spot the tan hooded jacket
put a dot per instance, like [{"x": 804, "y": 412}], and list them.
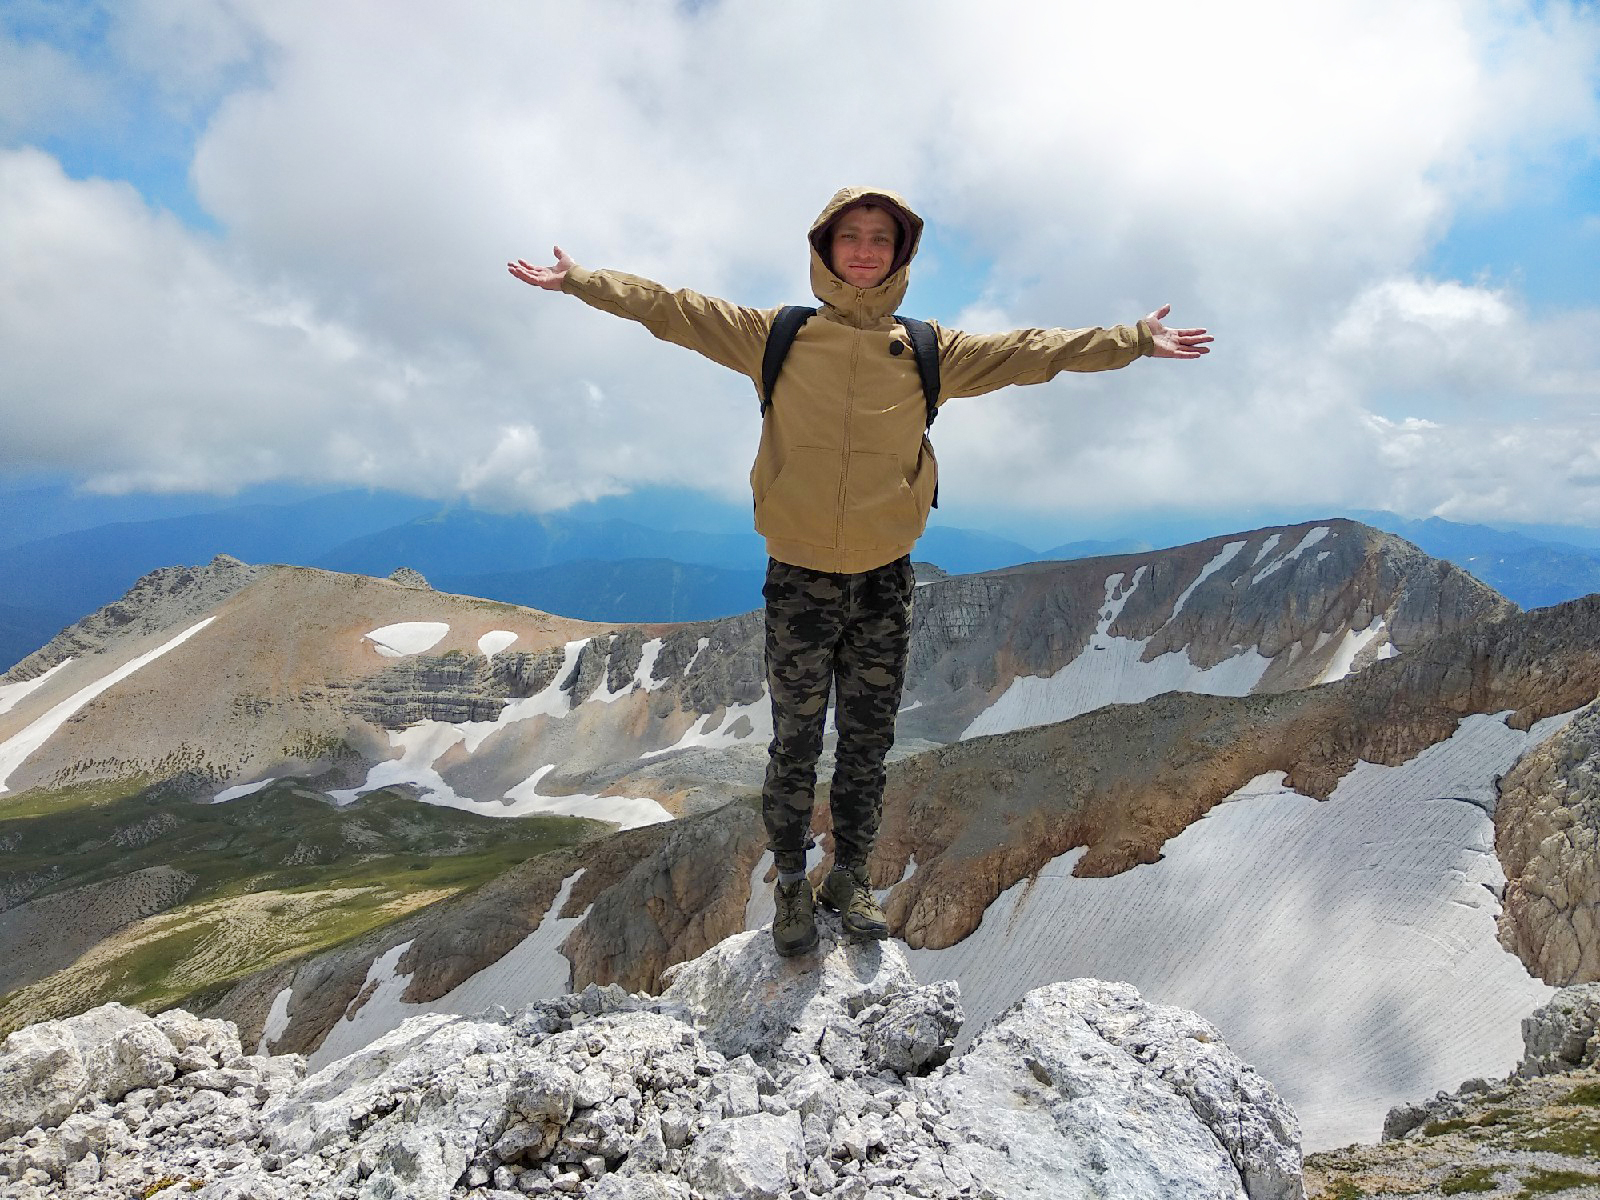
[{"x": 845, "y": 476}]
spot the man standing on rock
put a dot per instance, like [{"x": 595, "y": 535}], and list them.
[{"x": 843, "y": 482}]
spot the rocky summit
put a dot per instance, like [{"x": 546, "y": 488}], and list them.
[{"x": 748, "y": 1076}]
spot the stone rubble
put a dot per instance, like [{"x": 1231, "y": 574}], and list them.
[{"x": 751, "y": 1076}]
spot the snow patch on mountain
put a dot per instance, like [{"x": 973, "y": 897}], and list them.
[
  {"x": 10, "y": 693},
  {"x": 422, "y": 745},
  {"x": 640, "y": 680},
  {"x": 628, "y": 812},
  {"x": 241, "y": 790},
  {"x": 1311, "y": 538},
  {"x": 277, "y": 1022},
  {"x": 698, "y": 650},
  {"x": 1355, "y": 641},
  {"x": 1112, "y": 670},
  {"x": 495, "y": 641},
  {"x": 549, "y": 701},
  {"x": 532, "y": 970},
  {"x": 407, "y": 637},
  {"x": 761, "y": 907},
  {"x": 1346, "y": 947},
  {"x": 15, "y": 750},
  {"x": 735, "y": 725},
  {"x": 1223, "y": 557}
]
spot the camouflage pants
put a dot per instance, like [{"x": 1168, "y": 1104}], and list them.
[{"x": 848, "y": 634}]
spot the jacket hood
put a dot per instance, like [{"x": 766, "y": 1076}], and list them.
[{"x": 863, "y": 304}]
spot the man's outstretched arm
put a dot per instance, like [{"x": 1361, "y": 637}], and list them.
[
  {"x": 549, "y": 278},
  {"x": 728, "y": 334},
  {"x": 973, "y": 364},
  {"x": 1170, "y": 343}
]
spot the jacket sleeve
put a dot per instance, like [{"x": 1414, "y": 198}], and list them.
[
  {"x": 725, "y": 333},
  {"x": 971, "y": 364}
]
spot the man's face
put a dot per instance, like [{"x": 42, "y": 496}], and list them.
[{"x": 862, "y": 248}]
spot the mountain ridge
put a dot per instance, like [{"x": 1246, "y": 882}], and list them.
[{"x": 1037, "y": 751}]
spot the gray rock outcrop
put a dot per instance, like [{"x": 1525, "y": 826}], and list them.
[
  {"x": 1547, "y": 834},
  {"x": 1558, "y": 1038},
  {"x": 751, "y": 1076},
  {"x": 159, "y": 600},
  {"x": 1563, "y": 1035},
  {"x": 409, "y": 577}
]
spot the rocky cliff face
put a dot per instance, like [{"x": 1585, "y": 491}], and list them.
[
  {"x": 750, "y": 1077},
  {"x": 980, "y": 816},
  {"x": 1286, "y": 607},
  {"x": 1547, "y": 833}
]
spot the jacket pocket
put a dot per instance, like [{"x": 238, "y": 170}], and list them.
[
  {"x": 881, "y": 510},
  {"x": 801, "y": 503}
]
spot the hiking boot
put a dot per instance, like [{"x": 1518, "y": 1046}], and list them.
[
  {"x": 846, "y": 892},
  {"x": 794, "y": 925}
]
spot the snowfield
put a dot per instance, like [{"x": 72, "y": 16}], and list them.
[
  {"x": 1346, "y": 948},
  {"x": 493, "y": 642}
]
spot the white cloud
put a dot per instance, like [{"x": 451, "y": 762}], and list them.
[{"x": 1275, "y": 171}]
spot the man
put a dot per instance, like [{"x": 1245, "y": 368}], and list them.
[{"x": 843, "y": 482}]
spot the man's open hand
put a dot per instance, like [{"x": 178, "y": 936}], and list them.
[
  {"x": 1176, "y": 343},
  {"x": 549, "y": 277}
]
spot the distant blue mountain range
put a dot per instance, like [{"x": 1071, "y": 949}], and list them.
[
  {"x": 1529, "y": 571},
  {"x": 655, "y": 555}
]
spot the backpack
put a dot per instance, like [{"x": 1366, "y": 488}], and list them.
[{"x": 924, "y": 347}]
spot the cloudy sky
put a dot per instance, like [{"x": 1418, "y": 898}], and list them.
[{"x": 245, "y": 241}]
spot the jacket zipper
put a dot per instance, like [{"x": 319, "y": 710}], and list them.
[{"x": 844, "y": 466}]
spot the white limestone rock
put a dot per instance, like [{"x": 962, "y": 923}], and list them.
[
  {"x": 1563, "y": 1034},
  {"x": 1044, "y": 1093},
  {"x": 758, "y": 1157},
  {"x": 416, "y": 1162},
  {"x": 912, "y": 1032},
  {"x": 747, "y": 999},
  {"x": 617, "y": 1187},
  {"x": 248, "y": 1185},
  {"x": 202, "y": 1037},
  {"x": 1241, "y": 1109},
  {"x": 46, "y": 1070},
  {"x": 42, "y": 1077},
  {"x": 136, "y": 1056},
  {"x": 836, "y": 1089}
]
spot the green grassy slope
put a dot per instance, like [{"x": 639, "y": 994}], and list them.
[{"x": 277, "y": 875}]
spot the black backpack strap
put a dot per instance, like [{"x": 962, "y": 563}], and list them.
[
  {"x": 926, "y": 349},
  {"x": 784, "y": 328}
]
